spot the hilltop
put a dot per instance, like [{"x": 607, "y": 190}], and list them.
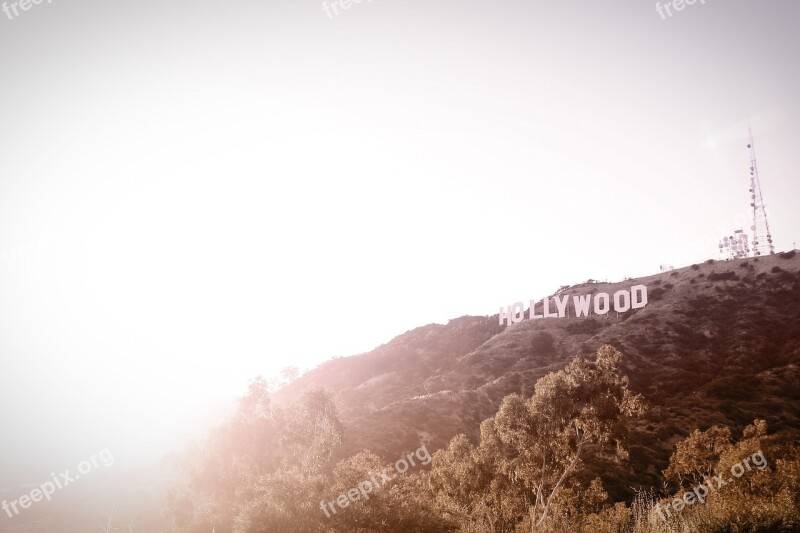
[{"x": 718, "y": 343}]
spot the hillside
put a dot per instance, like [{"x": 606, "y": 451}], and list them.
[{"x": 719, "y": 343}]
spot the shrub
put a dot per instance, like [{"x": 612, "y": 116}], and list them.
[
  {"x": 657, "y": 293},
  {"x": 668, "y": 286},
  {"x": 729, "y": 275},
  {"x": 695, "y": 267},
  {"x": 543, "y": 343},
  {"x": 710, "y": 262},
  {"x": 588, "y": 325},
  {"x": 788, "y": 255},
  {"x": 776, "y": 270}
]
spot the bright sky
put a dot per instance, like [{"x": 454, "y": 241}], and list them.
[{"x": 195, "y": 193}]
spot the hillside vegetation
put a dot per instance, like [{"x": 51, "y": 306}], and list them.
[{"x": 581, "y": 424}]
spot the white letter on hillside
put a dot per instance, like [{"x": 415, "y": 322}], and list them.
[
  {"x": 562, "y": 305},
  {"x": 625, "y": 305},
  {"x": 513, "y": 315},
  {"x": 605, "y": 308},
  {"x": 581, "y": 304},
  {"x": 519, "y": 312},
  {"x": 638, "y": 303}
]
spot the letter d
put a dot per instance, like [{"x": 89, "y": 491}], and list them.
[{"x": 638, "y": 296}]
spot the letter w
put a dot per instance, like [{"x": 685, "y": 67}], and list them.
[{"x": 581, "y": 304}]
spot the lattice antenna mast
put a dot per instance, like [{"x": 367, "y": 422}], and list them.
[{"x": 762, "y": 238}]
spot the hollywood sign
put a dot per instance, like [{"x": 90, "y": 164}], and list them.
[{"x": 601, "y": 303}]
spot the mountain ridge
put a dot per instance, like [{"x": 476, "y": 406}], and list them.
[{"x": 718, "y": 343}]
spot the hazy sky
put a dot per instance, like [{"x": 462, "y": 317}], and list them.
[{"x": 195, "y": 193}]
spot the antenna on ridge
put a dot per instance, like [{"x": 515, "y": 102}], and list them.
[{"x": 762, "y": 238}]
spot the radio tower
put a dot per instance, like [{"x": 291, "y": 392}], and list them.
[{"x": 762, "y": 238}]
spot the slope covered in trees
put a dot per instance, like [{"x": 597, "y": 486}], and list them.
[
  {"x": 541, "y": 426},
  {"x": 265, "y": 470}
]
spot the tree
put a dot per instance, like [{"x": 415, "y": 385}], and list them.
[
  {"x": 587, "y": 403},
  {"x": 473, "y": 487},
  {"x": 751, "y": 485},
  {"x": 696, "y": 456},
  {"x": 262, "y": 467},
  {"x": 531, "y": 451},
  {"x": 396, "y": 506}
]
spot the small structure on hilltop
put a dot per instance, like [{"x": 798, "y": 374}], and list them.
[
  {"x": 762, "y": 238},
  {"x": 739, "y": 245}
]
